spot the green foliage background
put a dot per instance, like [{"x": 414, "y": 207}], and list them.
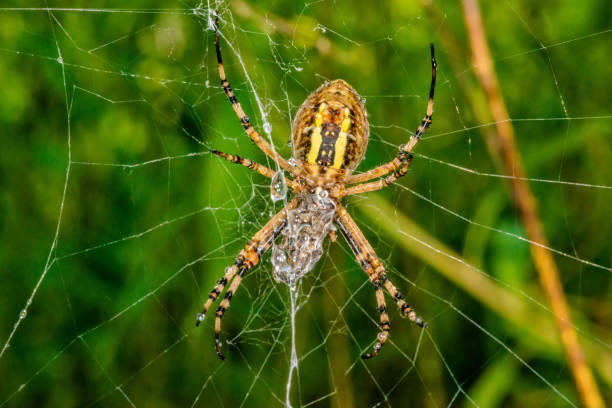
[{"x": 148, "y": 220}]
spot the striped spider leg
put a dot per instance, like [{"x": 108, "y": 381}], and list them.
[
  {"x": 259, "y": 168},
  {"x": 254, "y": 135},
  {"x": 399, "y": 165},
  {"x": 375, "y": 270},
  {"x": 246, "y": 259}
]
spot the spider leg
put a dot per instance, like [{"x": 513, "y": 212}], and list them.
[
  {"x": 375, "y": 270},
  {"x": 385, "y": 326},
  {"x": 244, "y": 119},
  {"x": 380, "y": 183},
  {"x": 261, "y": 169},
  {"x": 246, "y": 259},
  {"x": 405, "y": 149}
]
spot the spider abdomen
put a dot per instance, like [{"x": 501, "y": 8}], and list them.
[{"x": 331, "y": 128}]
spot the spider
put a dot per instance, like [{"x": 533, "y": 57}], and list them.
[{"x": 329, "y": 139}]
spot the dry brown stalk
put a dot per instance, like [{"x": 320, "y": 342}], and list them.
[{"x": 544, "y": 262}]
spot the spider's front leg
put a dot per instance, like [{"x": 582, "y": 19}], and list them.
[
  {"x": 376, "y": 272},
  {"x": 246, "y": 259}
]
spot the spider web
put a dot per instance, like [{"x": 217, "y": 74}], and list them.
[{"x": 118, "y": 220}]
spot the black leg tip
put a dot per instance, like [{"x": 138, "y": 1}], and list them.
[
  {"x": 221, "y": 356},
  {"x": 199, "y": 319},
  {"x": 366, "y": 356}
]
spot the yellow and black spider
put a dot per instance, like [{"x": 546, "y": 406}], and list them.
[{"x": 329, "y": 139}]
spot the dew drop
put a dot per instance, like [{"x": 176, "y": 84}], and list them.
[
  {"x": 267, "y": 127},
  {"x": 362, "y": 100},
  {"x": 60, "y": 60},
  {"x": 23, "y": 314},
  {"x": 278, "y": 187}
]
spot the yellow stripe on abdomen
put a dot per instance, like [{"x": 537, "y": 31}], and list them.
[
  {"x": 340, "y": 150},
  {"x": 315, "y": 136},
  {"x": 315, "y": 145}
]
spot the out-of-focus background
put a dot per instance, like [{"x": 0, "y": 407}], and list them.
[{"x": 116, "y": 220}]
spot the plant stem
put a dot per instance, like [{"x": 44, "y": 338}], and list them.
[{"x": 544, "y": 262}]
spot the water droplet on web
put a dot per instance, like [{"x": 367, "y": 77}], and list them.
[
  {"x": 298, "y": 69},
  {"x": 278, "y": 187},
  {"x": 60, "y": 60},
  {"x": 21, "y": 387},
  {"x": 362, "y": 100},
  {"x": 267, "y": 127},
  {"x": 23, "y": 314},
  {"x": 207, "y": 83}
]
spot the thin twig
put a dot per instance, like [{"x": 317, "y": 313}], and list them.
[{"x": 544, "y": 262}]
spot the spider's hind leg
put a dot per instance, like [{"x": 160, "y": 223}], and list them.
[
  {"x": 405, "y": 149},
  {"x": 245, "y": 121}
]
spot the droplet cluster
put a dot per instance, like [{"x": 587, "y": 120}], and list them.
[{"x": 302, "y": 240}]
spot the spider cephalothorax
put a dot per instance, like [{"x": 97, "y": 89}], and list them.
[{"x": 329, "y": 139}]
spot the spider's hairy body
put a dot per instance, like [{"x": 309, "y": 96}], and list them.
[
  {"x": 329, "y": 139},
  {"x": 331, "y": 128}
]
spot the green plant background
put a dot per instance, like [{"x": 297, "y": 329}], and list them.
[{"x": 112, "y": 140}]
